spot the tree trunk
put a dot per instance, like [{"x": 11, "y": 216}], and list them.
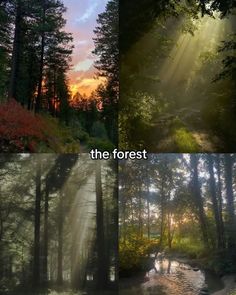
[
  {"x": 140, "y": 220},
  {"x": 148, "y": 221},
  {"x": 198, "y": 198},
  {"x": 219, "y": 189},
  {"x": 45, "y": 242},
  {"x": 214, "y": 202},
  {"x": 230, "y": 201},
  {"x": 116, "y": 224},
  {"x": 162, "y": 212},
  {"x": 12, "y": 92},
  {"x": 101, "y": 267},
  {"x": 169, "y": 231},
  {"x": 37, "y": 213},
  {"x": 60, "y": 243},
  {"x": 39, "y": 93}
]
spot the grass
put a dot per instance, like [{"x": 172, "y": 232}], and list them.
[{"x": 184, "y": 140}]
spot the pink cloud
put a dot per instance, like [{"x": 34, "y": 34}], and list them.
[{"x": 81, "y": 20}]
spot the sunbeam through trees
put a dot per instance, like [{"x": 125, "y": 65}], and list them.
[
  {"x": 58, "y": 218},
  {"x": 178, "y": 76}
]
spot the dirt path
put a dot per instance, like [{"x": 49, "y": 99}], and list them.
[{"x": 187, "y": 138}]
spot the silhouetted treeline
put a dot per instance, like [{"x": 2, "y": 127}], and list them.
[{"x": 35, "y": 55}]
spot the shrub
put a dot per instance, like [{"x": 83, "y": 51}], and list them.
[
  {"x": 20, "y": 130},
  {"x": 132, "y": 251},
  {"x": 58, "y": 137},
  {"x": 100, "y": 144}
]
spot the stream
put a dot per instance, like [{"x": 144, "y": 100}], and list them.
[{"x": 171, "y": 277}]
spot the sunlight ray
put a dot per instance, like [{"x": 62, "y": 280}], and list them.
[{"x": 184, "y": 56}]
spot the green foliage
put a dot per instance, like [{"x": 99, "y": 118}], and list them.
[
  {"x": 189, "y": 26},
  {"x": 221, "y": 262},
  {"x": 189, "y": 246},
  {"x": 59, "y": 137},
  {"x": 135, "y": 117},
  {"x": 228, "y": 52},
  {"x": 100, "y": 144},
  {"x": 133, "y": 250},
  {"x": 98, "y": 130},
  {"x": 219, "y": 113}
]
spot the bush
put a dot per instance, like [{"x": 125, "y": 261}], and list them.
[
  {"x": 100, "y": 144},
  {"x": 132, "y": 251},
  {"x": 20, "y": 130},
  {"x": 58, "y": 137}
]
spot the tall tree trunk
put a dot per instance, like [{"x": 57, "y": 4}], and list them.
[
  {"x": 40, "y": 82},
  {"x": 214, "y": 202},
  {"x": 60, "y": 243},
  {"x": 140, "y": 219},
  {"x": 116, "y": 224},
  {"x": 219, "y": 189},
  {"x": 230, "y": 200},
  {"x": 162, "y": 212},
  {"x": 148, "y": 221},
  {"x": 45, "y": 241},
  {"x": 101, "y": 267},
  {"x": 12, "y": 91},
  {"x": 198, "y": 198},
  {"x": 148, "y": 201},
  {"x": 30, "y": 82},
  {"x": 169, "y": 230},
  {"x": 37, "y": 214}
]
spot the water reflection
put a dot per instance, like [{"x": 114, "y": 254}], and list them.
[{"x": 170, "y": 277}]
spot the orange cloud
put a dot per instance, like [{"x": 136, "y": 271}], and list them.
[{"x": 86, "y": 86}]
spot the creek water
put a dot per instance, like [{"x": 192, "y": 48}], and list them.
[{"x": 171, "y": 277}]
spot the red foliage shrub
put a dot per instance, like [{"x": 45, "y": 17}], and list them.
[{"x": 20, "y": 130}]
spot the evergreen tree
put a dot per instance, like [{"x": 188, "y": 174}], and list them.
[{"x": 106, "y": 48}]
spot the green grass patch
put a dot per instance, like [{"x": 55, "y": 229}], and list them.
[{"x": 184, "y": 140}]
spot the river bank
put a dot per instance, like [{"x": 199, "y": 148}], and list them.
[{"x": 228, "y": 281}]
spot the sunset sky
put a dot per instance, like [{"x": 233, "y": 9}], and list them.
[{"x": 81, "y": 18}]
